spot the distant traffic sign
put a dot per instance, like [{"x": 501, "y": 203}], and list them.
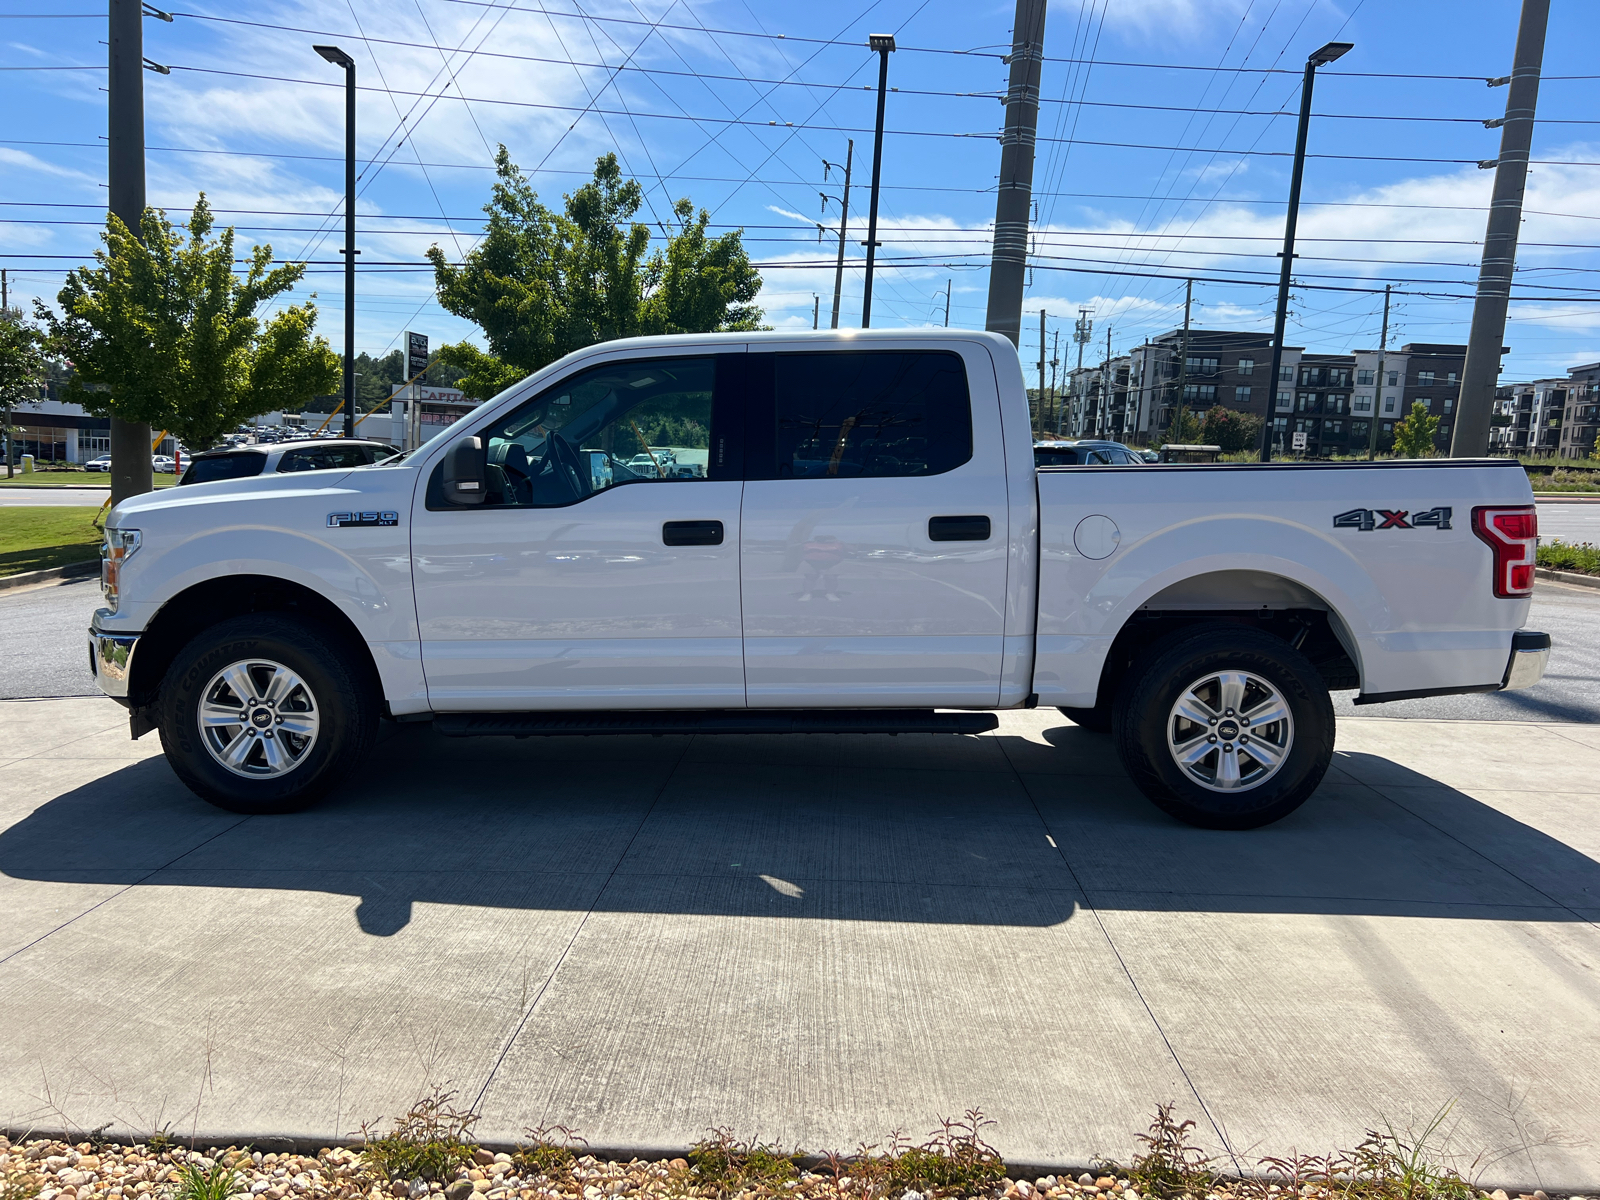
[{"x": 1299, "y": 442}]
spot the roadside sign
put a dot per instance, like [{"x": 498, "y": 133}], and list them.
[
  {"x": 1299, "y": 442},
  {"x": 416, "y": 354}
]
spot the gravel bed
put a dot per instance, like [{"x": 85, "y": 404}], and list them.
[{"x": 55, "y": 1170}]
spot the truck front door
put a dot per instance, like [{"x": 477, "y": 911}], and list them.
[
  {"x": 874, "y": 528},
  {"x": 602, "y": 571}
]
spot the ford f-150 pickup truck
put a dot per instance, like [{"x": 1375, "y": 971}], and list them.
[{"x": 863, "y": 544}]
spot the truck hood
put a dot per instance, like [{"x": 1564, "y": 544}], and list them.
[{"x": 257, "y": 491}]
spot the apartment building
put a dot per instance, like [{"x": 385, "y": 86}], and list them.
[{"x": 1580, "y": 422}]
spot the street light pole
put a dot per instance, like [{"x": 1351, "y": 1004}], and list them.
[
  {"x": 340, "y": 59},
  {"x": 1326, "y": 54},
  {"x": 883, "y": 43}
]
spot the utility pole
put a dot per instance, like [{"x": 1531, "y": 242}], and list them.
[
  {"x": 1377, "y": 392},
  {"x": 948, "y": 284},
  {"x": 1040, "y": 426},
  {"x": 1055, "y": 395},
  {"x": 1106, "y": 384},
  {"x": 5, "y": 415},
  {"x": 130, "y": 440},
  {"x": 844, "y": 220},
  {"x": 1082, "y": 331},
  {"x": 1481, "y": 372},
  {"x": 816, "y": 309},
  {"x": 883, "y": 45},
  {"x": 1183, "y": 364},
  {"x": 1009, "y": 257}
]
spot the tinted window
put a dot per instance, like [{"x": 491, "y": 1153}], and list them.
[
  {"x": 1055, "y": 458},
  {"x": 636, "y": 421},
  {"x": 223, "y": 466},
  {"x": 865, "y": 414},
  {"x": 323, "y": 458}
]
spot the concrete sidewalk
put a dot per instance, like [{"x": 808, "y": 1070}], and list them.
[{"x": 815, "y": 940}]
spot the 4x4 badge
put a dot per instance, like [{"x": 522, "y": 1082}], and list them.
[{"x": 1392, "y": 518}]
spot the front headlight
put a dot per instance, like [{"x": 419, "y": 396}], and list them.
[{"x": 118, "y": 547}]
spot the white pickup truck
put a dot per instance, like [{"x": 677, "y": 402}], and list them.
[{"x": 867, "y": 548}]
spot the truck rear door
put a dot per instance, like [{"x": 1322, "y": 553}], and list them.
[{"x": 874, "y": 527}]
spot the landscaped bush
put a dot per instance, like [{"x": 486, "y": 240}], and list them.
[{"x": 1581, "y": 557}]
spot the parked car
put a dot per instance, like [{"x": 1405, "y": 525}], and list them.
[
  {"x": 103, "y": 463},
  {"x": 873, "y": 550},
  {"x": 277, "y": 458},
  {"x": 1085, "y": 452},
  {"x": 163, "y": 464}
]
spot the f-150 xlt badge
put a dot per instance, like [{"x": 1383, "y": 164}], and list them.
[
  {"x": 1384, "y": 518},
  {"x": 349, "y": 519}
]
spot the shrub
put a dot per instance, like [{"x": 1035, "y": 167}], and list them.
[
  {"x": 428, "y": 1142},
  {"x": 1232, "y": 430},
  {"x": 727, "y": 1163},
  {"x": 1413, "y": 435},
  {"x": 1582, "y": 557}
]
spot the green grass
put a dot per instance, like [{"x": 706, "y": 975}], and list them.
[
  {"x": 70, "y": 479},
  {"x": 33, "y": 538},
  {"x": 1581, "y": 557}
]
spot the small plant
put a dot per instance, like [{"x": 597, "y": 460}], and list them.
[
  {"x": 216, "y": 1182},
  {"x": 726, "y": 1163},
  {"x": 161, "y": 1140},
  {"x": 549, "y": 1150},
  {"x": 429, "y": 1142},
  {"x": 1171, "y": 1166},
  {"x": 955, "y": 1160},
  {"x": 1582, "y": 557}
]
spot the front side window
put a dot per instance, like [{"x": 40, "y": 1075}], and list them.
[
  {"x": 634, "y": 421},
  {"x": 867, "y": 414}
]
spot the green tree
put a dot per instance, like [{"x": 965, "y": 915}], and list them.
[
  {"x": 22, "y": 370},
  {"x": 542, "y": 284},
  {"x": 1413, "y": 434},
  {"x": 1232, "y": 430},
  {"x": 163, "y": 330},
  {"x": 1186, "y": 429}
]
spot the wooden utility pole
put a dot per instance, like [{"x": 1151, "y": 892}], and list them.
[
  {"x": 1377, "y": 392},
  {"x": 1041, "y": 371},
  {"x": 130, "y": 440},
  {"x": 844, "y": 220},
  {"x": 1014, "y": 196},
  {"x": 1481, "y": 371},
  {"x": 1183, "y": 363},
  {"x": 1105, "y": 387},
  {"x": 1055, "y": 392}
]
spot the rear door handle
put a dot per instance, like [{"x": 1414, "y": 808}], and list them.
[
  {"x": 958, "y": 529},
  {"x": 692, "y": 533}
]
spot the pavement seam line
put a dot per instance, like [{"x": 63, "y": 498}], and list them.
[
  {"x": 1468, "y": 846},
  {"x": 122, "y": 890},
  {"x": 561, "y": 958},
  {"x": 1121, "y": 962}
]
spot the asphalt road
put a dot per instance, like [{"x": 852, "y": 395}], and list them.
[
  {"x": 42, "y": 653},
  {"x": 86, "y": 497},
  {"x": 1569, "y": 522}
]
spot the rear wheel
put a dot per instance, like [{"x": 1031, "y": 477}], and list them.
[
  {"x": 265, "y": 714},
  {"x": 1225, "y": 727}
]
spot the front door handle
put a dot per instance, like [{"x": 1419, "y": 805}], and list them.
[
  {"x": 692, "y": 533},
  {"x": 958, "y": 529}
]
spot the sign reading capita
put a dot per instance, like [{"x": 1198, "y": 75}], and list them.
[
  {"x": 1300, "y": 439},
  {"x": 416, "y": 354}
]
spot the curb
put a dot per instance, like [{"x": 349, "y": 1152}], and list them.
[
  {"x": 1569, "y": 577},
  {"x": 88, "y": 567},
  {"x": 1567, "y": 497}
]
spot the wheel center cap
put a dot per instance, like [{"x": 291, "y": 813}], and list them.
[
  {"x": 261, "y": 718},
  {"x": 1228, "y": 730}
]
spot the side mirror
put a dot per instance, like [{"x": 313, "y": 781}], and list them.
[{"x": 465, "y": 472}]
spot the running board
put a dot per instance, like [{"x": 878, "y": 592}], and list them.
[{"x": 659, "y": 723}]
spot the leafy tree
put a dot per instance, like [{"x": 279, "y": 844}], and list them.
[
  {"x": 1232, "y": 430},
  {"x": 1186, "y": 429},
  {"x": 22, "y": 369},
  {"x": 1413, "y": 434},
  {"x": 542, "y": 284},
  {"x": 164, "y": 331}
]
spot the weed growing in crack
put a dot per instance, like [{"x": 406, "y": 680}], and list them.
[
  {"x": 206, "y": 1182},
  {"x": 550, "y": 1149},
  {"x": 429, "y": 1142},
  {"x": 1170, "y": 1166},
  {"x": 727, "y": 1163}
]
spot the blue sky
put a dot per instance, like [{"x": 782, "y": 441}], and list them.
[{"x": 703, "y": 98}]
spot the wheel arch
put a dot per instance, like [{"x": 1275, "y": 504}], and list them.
[
  {"x": 1272, "y": 603},
  {"x": 202, "y": 605}
]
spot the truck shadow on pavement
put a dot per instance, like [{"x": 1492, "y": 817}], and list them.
[{"x": 909, "y": 829}]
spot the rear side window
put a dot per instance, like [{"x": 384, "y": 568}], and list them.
[
  {"x": 223, "y": 466},
  {"x": 867, "y": 414},
  {"x": 323, "y": 458},
  {"x": 1055, "y": 458}
]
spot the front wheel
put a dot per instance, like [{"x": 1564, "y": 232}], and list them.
[
  {"x": 265, "y": 714},
  {"x": 1225, "y": 727}
]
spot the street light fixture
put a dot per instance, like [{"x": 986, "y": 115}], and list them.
[
  {"x": 883, "y": 44},
  {"x": 340, "y": 59},
  {"x": 1318, "y": 58}
]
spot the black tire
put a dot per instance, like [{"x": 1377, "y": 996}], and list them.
[
  {"x": 1213, "y": 793},
  {"x": 1096, "y": 719},
  {"x": 334, "y": 700}
]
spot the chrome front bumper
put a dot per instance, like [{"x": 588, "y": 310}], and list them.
[
  {"x": 111, "y": 660},
  {"x": 1529, "y": 653}
]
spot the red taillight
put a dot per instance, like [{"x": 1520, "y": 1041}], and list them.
[{"x": 1513, "y": 535}]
